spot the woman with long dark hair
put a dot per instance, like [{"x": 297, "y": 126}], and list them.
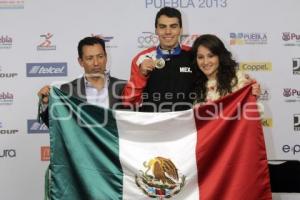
[{"x": 216, "y": 71}]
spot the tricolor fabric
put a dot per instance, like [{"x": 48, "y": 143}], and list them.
[{"x": 211, "y": 152}]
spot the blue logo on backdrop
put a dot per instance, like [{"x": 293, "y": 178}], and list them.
[
  {"x": 107, "y": 40},
  {"x": 33, "y": 126},
  {"x": 46, "y": 69}
]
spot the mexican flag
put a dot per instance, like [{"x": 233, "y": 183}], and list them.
[{"x": 211, "y": 152}]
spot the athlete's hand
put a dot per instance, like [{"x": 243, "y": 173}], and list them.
[{"x": 147, "y": 66}]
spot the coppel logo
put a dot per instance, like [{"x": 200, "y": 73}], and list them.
[
  {"x": 46, "y": 69},
  {"x": 33, "y": 126},
  {"x": 256, "y": 66}
]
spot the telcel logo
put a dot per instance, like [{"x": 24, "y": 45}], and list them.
[
  {"x": 46, "y": 69},
  {"x": 33, "y": 126},
  {"x": 255, "y": 66}
]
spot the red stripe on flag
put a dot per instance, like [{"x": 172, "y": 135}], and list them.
[{"x": 231, "y": 155}]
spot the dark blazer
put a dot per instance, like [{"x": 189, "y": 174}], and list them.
[{"x": 76, "y": 88}]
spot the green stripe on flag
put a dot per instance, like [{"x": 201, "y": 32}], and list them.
[{"x": 84, "y": 155}]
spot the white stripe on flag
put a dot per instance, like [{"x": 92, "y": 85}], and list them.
[{"x": 144, "y": 136}]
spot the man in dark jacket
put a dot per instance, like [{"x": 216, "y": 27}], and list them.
[{"x": 96, "y": 86}]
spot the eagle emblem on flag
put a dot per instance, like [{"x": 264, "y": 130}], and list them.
[{"x": 160, "y": 179}]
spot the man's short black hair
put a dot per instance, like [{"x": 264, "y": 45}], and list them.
[
  {"x": 90, "y": 41},
  {"x": 169, "y": 12}
]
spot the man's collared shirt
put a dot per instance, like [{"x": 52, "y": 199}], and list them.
[{"x": 95, "y": 96}]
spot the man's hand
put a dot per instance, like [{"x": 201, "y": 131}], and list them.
[
  {"x": 147, "y": 66},
  {"x": 44, "y": 94}
]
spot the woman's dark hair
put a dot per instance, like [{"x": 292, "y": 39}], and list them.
[{"x": 226, "y": 73}]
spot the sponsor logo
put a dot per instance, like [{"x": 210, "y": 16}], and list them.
[
  {"x": 291, "y": 94},
  {"x": 46, "y": 69},
  {"x": 255, "y": 66},
  {"x": 185, "y": 70},
  {"x": 297, "y": 122},
  {"x": 5, "y": 131},
  {"x": 296, "y": 66},
  {"x": 7, "y": 75},
  {"x": 12, "y": 4},
  {"x": 8, "y": 153},
  {"x": 267, "y": 122},
  {"x": 186, "y": 3},
  {"x": 46, "y": 44},
  {"x": 45, "y": 153},
  {"x": 188, "y": 40},
  {"x": 107, "y": 40},
  {"x": 294, "y": 149},
  {"x": 5, "y": 42},
  {"x": 265, "y": 95},
  {"x": 6, "y": 98},
  {"x": 291, "y": 39},
  {"x": 248, "y": 38},
  {"x": 33, "y": 126},
  {"x": 147, "y": 39}
]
